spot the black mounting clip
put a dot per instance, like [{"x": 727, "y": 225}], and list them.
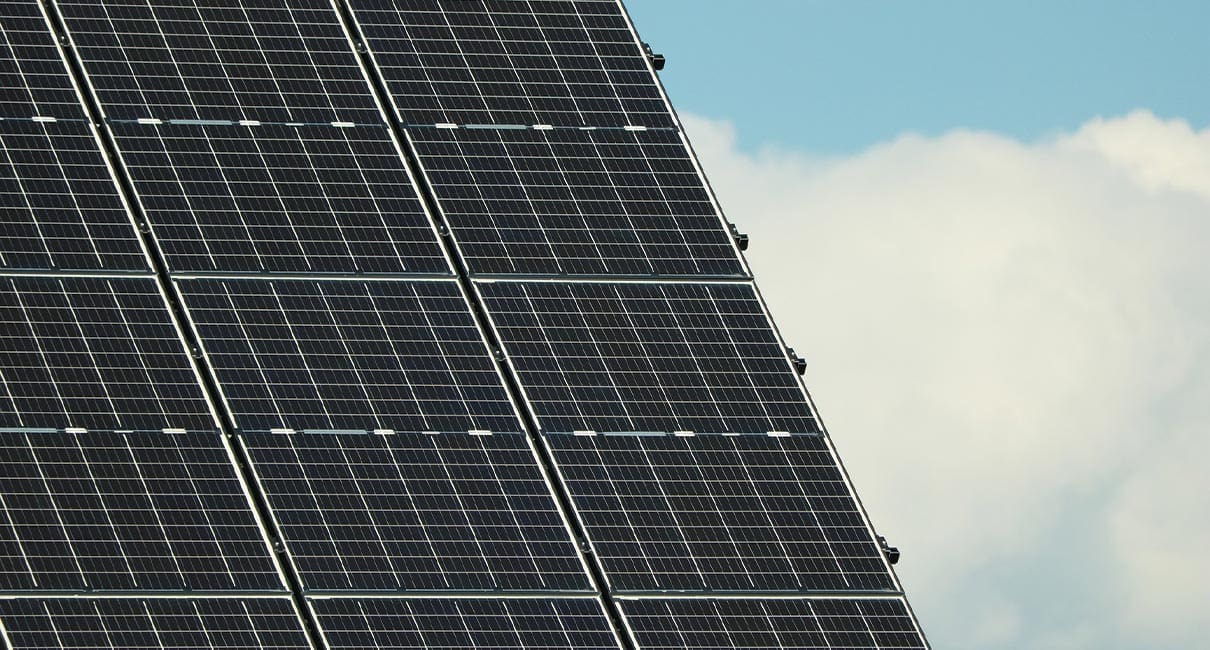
[
  {"x": 891, "y": 552},
  {"x": 741, "y": 238},
  {"x": 800, "y": 364},
  {"x": 657, "y": 60}
]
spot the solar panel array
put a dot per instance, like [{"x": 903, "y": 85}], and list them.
[{"x": 370, "y": 323}]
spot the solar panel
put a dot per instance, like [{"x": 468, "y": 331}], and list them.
[
  {"x": 835, "y": 624},
  {"x": 469, "y": 624},
  {"x": 568, "y": 201},
  {"x": 412, "y": 512},
  {"x": 152, "y": 623},
  {"x": 348, "y": 355},
  {"x": 573, "y": 63},
  {"x": 719, "y": 513},
  {"x": 33, "y": 76},
  {"x": 59, "y": 206},
  {"x": 101, "y": 511},
  {"x": 647, "y": 357},
  {"x": 267, "y": 60},
  {"x": 277, "y": 198},
  {"x": 94, "y": 353}
]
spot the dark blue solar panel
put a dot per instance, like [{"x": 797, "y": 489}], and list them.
[
  {"x": 59, "y": 205},
  {"x": 317, "y": 354},
  {"x": 571, "y": 63},
  {"x": 464, "y": 624},
  {"x": 647, "y": 357},
  {"x": 823, "y": 624},
  {"x": 33, "y": 77},
  {"x": 719, "y": 513},
  {"x": 152, "y": 624},
  {"x": 101, "y": 511},
  {"x": 275, "y": 198},
  {"x": 568, "y": 202},
  {"x": 415, "y": 512},
  {"x": 94, "y": 353},
  {"x": 268, "y": 60}
]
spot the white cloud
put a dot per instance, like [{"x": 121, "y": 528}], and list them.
[{"x": 1010, "y": 343}]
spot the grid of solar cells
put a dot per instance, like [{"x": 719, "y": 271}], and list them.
[
  {"x": 464, "y": 624},
  {"x": 152, "y": 623},
  {"x": 445, "y": 512},
  {"x": 94, "y": 353},
  {"x": 268, "y": 60},
  {"x": 59, "y": 206},
  {"x": 834, "y": 624},
  {"x": 569, "y": 201},
  {"x": 719, "y": 513},
  {"x": 647, "y": 357},
  {"x": 348, "y": 355},
  {"x": 33, "y": 76},
  {"x": 571, "y": 63},
  {"x": 276, "y": 198},
  {"x": 101, "y": 511}
]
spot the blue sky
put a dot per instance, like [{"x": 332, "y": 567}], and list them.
[
  {"x": 987, "y": 227},
  {"x": 838, "y": 76}
]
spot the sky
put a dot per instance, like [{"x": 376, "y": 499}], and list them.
[
  {"x": 988, "y": 231},
  {"x": 833, "y": 77}
]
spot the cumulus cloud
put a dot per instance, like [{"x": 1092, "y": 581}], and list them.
[{"x": 1010, "y": 343}]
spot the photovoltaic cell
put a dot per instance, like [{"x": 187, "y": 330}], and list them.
[
  {"x": 33, "y": 77},
  {"x": 152, "y": 623},
  {"x": 719, "y": 513},
  {"x": 809, "y": 624},
  {"x": 411, "y": 512},
  {"x": 315, "y": 354},
  {"x": 94, "y": 353},
  {"x": 570, "y": 63},
  {"x": 647, "y": 357},
  {"x": 102, "y": 511},
  {"x": 268, "y": 60},
  {"x": 569, "y": 201},
  {"x": 464, "y": 624},
  {"x": 59, "y": 206},
  {"x": 276, "y": 198}
]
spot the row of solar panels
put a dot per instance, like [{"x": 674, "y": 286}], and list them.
[
  {"x": 254, "y": 142},
  {"x": 102, "y": 353},
  {"x": 99, "y": 512},
  {"x": 568, "y": 63},
  {"x": 374, "y": 623},
  {"x": 320, "y": 199},
  {"x": 264, "y": 174}
]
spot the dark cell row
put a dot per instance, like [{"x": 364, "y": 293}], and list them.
[
  {"x": 429, "y": 512},
  {"x": 458, "y": 624},
  {"x": 103, "y": 354}
]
